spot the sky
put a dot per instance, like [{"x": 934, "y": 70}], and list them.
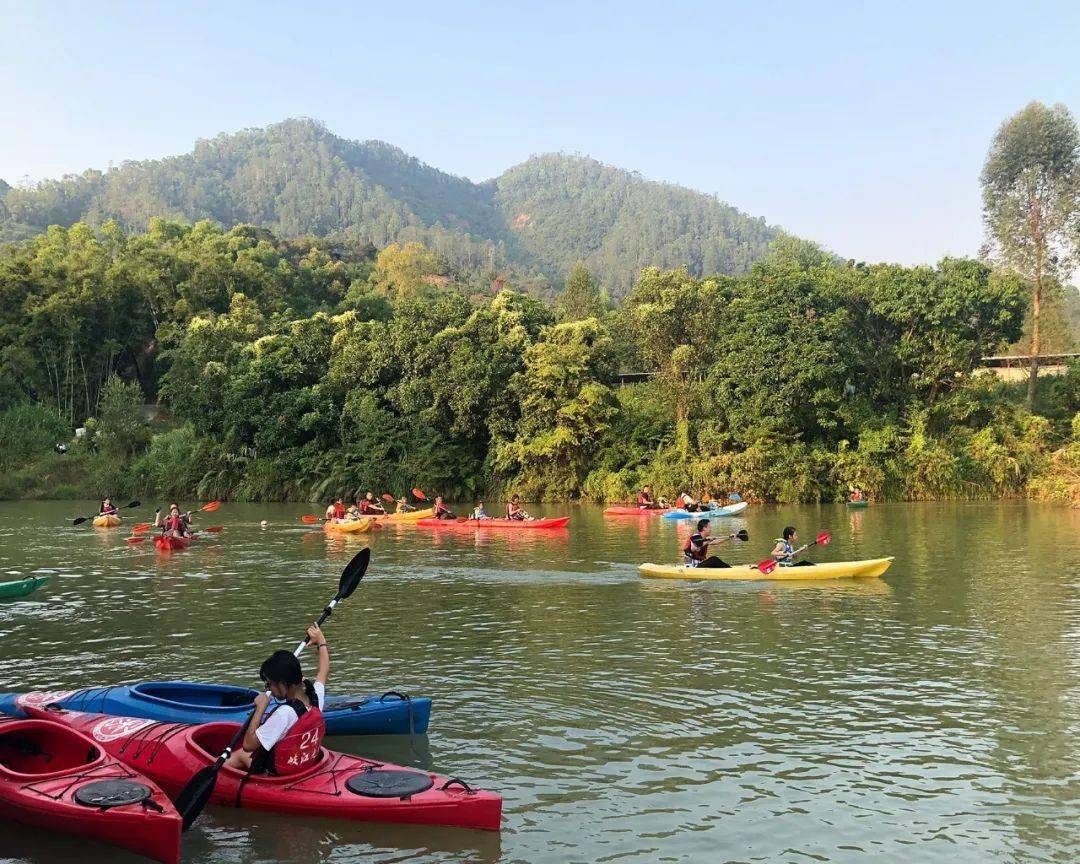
[{"x": 862, "y": 126}]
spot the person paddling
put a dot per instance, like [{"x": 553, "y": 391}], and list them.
[
  {"x": 514, "y": 510},
  {"x": 173, "y": 525},
  {"x": 696, "y": 548},
  {"x": 353, "y": 513},
  {"x": 336, "y": 511},
  {"x": 287, "y": 738},
  {"x": 404, "y": 506},
  {"x": 645, "y": 498},
  {"x": 441, "y": 510},
  {"x": 369, "y": 506},
  {"x": 687, "y": 502},
  {"x": 478, "y": 511},
  {"x": 784, "y": 551},
  {"x": 857, "y": 495},
  {"x": 107, "y": 508}
]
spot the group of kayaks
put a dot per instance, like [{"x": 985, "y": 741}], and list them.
[{"x": 106, "y": 763}]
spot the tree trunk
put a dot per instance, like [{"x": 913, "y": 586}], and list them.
[{"x": 1033, "y": 370}]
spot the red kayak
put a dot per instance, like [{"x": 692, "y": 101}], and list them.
[
  {"x": 636, "y": 511},
  {"x": 165, "y": 543},
  {"x": 58, "y": 779},
  {"x": 335, "y": 786},
  {"x": 471, "y": 524}
]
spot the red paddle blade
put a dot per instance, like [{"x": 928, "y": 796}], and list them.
[
  {"x": 823, "y": 538},
  {"x": 141, "y": 528},
  {"x": 211, "y": 507},
  {"x": 387, "y": 497},
  {"x": 309, "y": 520},
  {"x": 133, "y": 540},
  {"x": 767, "y": 566},
  {"x": 216, "y": 529},
  {"x": 419, "y": 495}
]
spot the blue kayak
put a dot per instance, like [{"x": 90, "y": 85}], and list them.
[
  {"x": 730, "y": 510},
  {"x": 189, "y": 702}
]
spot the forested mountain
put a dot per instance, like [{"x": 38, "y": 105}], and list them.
[{"x": 297, "y": 178}]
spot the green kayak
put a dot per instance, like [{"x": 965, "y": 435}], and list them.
[
  {"x": 22, "y": 587},
  {"x": 858, "y": 505}
]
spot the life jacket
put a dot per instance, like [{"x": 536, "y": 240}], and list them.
[
  {"x": 364, "y": 506},
  {"x": 785, "y": 559},
  {"x": 644, "y": 500},
  {"x": 301, "y": 745},
  {"x": 514, "y": 512},
  {"x": 693, "y": 555},
  {"x": 684, "y": 500},
  {"x": 339, "y": 511},
  {"x": 175, "y": 523},
  {"x": 108, "y": 511}
]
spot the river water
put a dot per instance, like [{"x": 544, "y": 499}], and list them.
[{"x": 932, "y": 715}]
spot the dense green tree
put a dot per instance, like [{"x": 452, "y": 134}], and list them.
[{"x": 580, "y": 298}]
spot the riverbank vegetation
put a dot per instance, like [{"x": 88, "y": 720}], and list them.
[
  {"x": 288, "y": 370},
  {"x": 306, "y": 368}
]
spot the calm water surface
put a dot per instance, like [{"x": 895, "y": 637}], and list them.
[{"x": 932, "y": 715}]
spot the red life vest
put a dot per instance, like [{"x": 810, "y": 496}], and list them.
[
  {"x": 365, "y": 506},
  {"x": 339, "y": 511},
  {"x": 301, "y": 745},
  {"x": 175, "y": 523},
  {"x": 644, "y": 500}
]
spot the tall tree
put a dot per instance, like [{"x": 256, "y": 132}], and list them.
[
  {"x": 580, "y": 298},
  {"x": 1031, "y": 203}
]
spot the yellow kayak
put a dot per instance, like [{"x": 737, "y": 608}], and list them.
[
  {"x": 410, "y": 516},
  {"x": 348, "y": 526},
  {"x": 110, "y": 520},
  {"x": 827, "y": 570}
]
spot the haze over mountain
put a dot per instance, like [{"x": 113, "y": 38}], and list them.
[{"x": 298, "y": 178}]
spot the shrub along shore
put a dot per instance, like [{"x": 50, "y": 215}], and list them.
[{"x": 299, "y": 370}]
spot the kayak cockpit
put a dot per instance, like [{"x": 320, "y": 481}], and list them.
[
  {"x": 189, "y": 694},
  {"x": 209, "y": 740},
  {"x": 38, "y": 748}
]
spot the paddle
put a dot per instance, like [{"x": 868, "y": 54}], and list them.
[
  {"x": 82, "y": 519},
  {"x": 769, "y": 564},
  {"x": 194, "y": 797},
  {"x": 141, "y": 528},
  {"x": 209, "y": 508},
  {"x": 418, "y": 495}
]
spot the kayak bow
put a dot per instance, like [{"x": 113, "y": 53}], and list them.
[{"x": 21, "y": 587}]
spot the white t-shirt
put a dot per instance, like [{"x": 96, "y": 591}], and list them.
[{"x": 282, "y": 719}]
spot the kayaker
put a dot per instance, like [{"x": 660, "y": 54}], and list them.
[
  {"x": 696, "y": 548},
  {"x": 404, "y": 506},
  {"x": 687, "y": 502},
  {"x": 107, "y": 508},
  {"x": 856, "y": 494},
  {"x": 369, "y": 506},
  {"x": 478, "y": 511},
  {"x": 336, "y": 511},
  {"x": 441, "y": 510},
  {"x": 784, "y": 551},
  {"x": 514, "y": 510},
  {"x": 353, "y": 513},
  {"x": 173, "y": 525},
  {"x": 645, "y": 498},
  {"x": 288, "y": 738}
]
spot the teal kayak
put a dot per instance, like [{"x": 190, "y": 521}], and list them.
[{"x": 22, "y": 587}]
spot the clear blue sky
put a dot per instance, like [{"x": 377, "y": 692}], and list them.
[{"x": 860, "y": 125}]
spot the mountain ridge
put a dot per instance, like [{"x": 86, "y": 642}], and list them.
[{"x": 298, "y": 178}]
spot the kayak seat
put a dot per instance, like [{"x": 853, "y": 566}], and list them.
[{"x": 44, "y": 748}]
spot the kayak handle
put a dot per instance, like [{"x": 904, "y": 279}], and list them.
[
  {"x": 454, "y": 781},
  {"x": 403, "y": 697}
]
